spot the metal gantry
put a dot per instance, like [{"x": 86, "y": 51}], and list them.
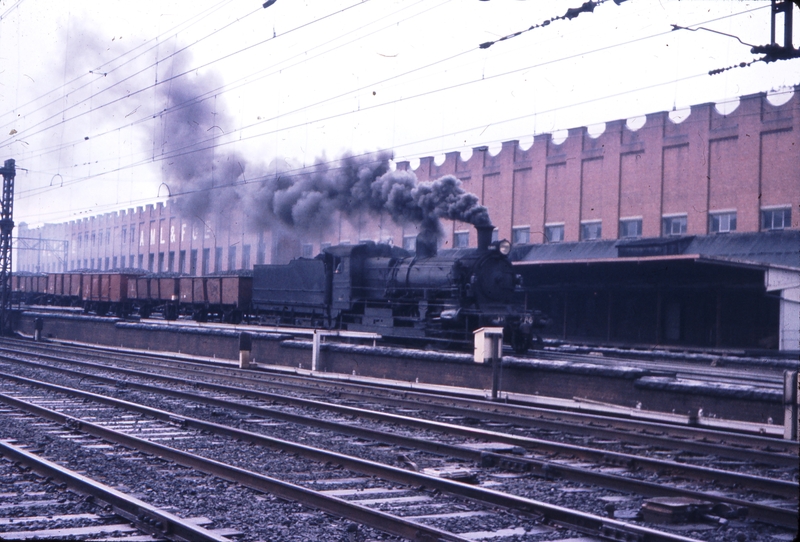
[
  {"x": 54, "y": 248},
  {"x": 9, "y": 171}
]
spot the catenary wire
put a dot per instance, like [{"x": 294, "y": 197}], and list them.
[
  {"x": 182, "y": 26},
  {"x": 303, "y": 171},
  {"x": 227, "y": 88},
  {"x": 8, "y": 142},
  {"x": 25, "y": 133},
  {"x": 177, "y": 152}
]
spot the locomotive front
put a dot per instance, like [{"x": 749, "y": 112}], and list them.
[{"x": 460, "y": 290}]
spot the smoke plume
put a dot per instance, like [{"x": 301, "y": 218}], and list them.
[
  {"x": 210, "y": 182},
  {"x": 203, "y": 176},
  {"x": 306, "y": 201}
]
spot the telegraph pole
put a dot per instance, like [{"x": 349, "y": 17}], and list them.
[{"x": 9, "y": 171}]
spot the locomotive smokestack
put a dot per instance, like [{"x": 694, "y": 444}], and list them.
[
  {"x": 484, "y": 236},
  {"x": 427, "y": 242}
]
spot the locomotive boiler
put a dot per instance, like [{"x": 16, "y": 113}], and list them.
[{"x": 437, "y": 297}]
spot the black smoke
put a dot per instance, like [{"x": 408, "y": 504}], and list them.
[
  {"x": 201, "y": 176},
  {"x": 209, "y": 182},
  {"x": 307, "y": 201}
]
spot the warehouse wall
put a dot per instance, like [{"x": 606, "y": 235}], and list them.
[{"x": 746, "y": 162}]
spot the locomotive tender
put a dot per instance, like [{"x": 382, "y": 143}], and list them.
[
  {"x": 439, "y": 297},
  {"x": 428, "y": 297}
]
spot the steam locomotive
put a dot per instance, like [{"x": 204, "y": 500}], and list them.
[
  {"x": 435, "y": 297},
  {"x": 428, "y": 297}
]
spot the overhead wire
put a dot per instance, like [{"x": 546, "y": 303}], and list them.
[
  {"x": 331, "y": 164},
  {"x": 304, "y": 170},
  {"x": 184, "y": 25},
  {"x": 173, "y": 155},
  {"x": 188, "y": 149},
  {"x": 246, "y": 80},
  {"x": 25, "y": 133},
  {"x": 176, "y": 152},
  {"x": 164, "y": 81},
  {"x": 14, "y": 6}
]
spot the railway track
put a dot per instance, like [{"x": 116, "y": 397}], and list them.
[
  {"x": 45, "y": 501},
  {"x": 493, "y": 456},
  {"x": 358, "y": 493},
  {"x": 515, "y": 409}
]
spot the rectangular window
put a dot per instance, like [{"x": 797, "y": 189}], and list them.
[
  {"x": 151, "y": 261},
  {"x": 245, "y": 256},
  {"x": 232, "y": 258},
  {"x": 776, "y": 219},
  {"x": 171, "y": 261},
  {"x": 79, "y": 242},
  {"x": 122, "y": 262},
  {"x": 410, "y": 242},
  {"x": 108, "y": 236},
  {"x": 261, "y": 255},
  {"x": 182, "y": 262},
  {"x": 722, "y": 222},
  {"x": 673, "y": 225},
  {"x": 630, "y": 228},
  {"x": 206, "y": 258},
  {"x": 92, "y": 267},
  {"x": 217, "y": 259},
  {"x": 124, "y": 238},
  {"x": 141, "y": 261},
  {"x": 114, "y": 264},
  {"x": 521, "y": 235},
  {"x": 106, "y": 266},
  {"x": 94, "y": 238},
  {"x": 307, "y": 250},
  {"x": 554, "y": 233},
  {"x": 461, "y": 239},
  {"x": 160, "y": 262},
  {"x": 591, "y": 231},
  {"x": 193, "y": 262},
  {"x": 133, "y": 233}
]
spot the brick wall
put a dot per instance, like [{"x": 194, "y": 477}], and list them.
[{"x": 742, "y": 162}]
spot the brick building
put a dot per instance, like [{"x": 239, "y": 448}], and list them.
[{"x": 710, "y": 174}]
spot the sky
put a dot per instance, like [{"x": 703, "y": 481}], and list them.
[{"x": 110, "y": 105}]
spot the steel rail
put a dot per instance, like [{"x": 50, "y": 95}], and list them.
[
  {"x": 770, "y": 377},
  {"x": 549, "y": 469},
  {"x": 633, "y": 431},
  {"x": 590, "y": 524},
  {"x": 144, "y": 516},
  {"x": 384, "y": 522},
  {"x": 633, "y": 462}
]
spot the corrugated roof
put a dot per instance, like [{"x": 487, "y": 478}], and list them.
[
  {"x": 777, "y": 248},
  {"x": 585, "y": 250}
]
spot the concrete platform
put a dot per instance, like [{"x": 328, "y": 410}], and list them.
[{"x": 618, "y": 389}]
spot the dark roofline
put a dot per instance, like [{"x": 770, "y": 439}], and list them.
[{"x": 760, "y": 250}]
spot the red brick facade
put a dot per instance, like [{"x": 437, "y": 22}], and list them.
[{"x": 746, "y": 162}]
